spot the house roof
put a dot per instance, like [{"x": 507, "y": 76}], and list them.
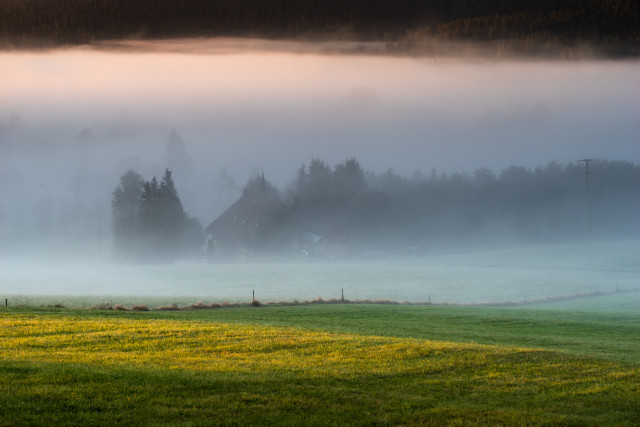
[{"x": 241, "y": 222}]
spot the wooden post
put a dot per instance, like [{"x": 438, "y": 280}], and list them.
[
  {"x": 342, "y": 294},
  {"x": 6, "y": 302},
  {"x": 253, "y": 295}
]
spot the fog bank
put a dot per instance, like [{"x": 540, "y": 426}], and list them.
[{"x": 73, "y": 120}]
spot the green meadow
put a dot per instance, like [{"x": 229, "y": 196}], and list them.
[{"x": 328, "y": 364}]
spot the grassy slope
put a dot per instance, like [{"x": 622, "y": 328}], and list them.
[
  {"x": 602, "y": 335},
  {"x": 266, "y": 365}
]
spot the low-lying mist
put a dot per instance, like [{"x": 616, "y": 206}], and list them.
[
  {"x": 487, "y": 276},
  {"x": 220, "y": 113}
]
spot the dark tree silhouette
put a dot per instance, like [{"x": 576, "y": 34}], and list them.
[
  {"x": 150, "y": 222},
  {"x": 518, "y": 204},
  {"x": 125, "y": 204},
  {"x": 162, "y": 218}
]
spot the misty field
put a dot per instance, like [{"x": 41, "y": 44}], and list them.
[
  {"x": 489, "y": 275},
  {"x": 319, "y": 365}
]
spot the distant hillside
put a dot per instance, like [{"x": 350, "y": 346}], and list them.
[{"x": 611, "y": 27}]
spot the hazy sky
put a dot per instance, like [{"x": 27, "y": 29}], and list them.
[{"x": 239, "y": 109}]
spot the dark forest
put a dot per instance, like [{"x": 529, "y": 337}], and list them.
[{"x": 609, "y": 27}]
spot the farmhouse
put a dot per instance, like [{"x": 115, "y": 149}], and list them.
[{"x": 235, "y": 232}]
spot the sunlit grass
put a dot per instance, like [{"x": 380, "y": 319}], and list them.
[
  {"x": 133, "y": 368},
  {"x": 219, "y": 347}
]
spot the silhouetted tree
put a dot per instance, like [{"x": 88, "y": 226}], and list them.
[
  {"x": 149, "y": 226},
  {"x": 162, "y": 218},
  {"x": 125, "y": 205},
  {"x": 348, "y": 178},
  {"x": 319, "y": 179},
  {"x": 149, "y": 221}
]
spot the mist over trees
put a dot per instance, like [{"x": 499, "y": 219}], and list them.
[
  {"x": 149, "y": 222},
  {"x": 388, "y": 211},
  {"x": 544, "y": 204},
  {"x": 319, "y": 189}
]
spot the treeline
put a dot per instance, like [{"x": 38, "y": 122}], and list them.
[
  {"x": 149, "y": 222},
  {"x": 413, "y": 23},
  {"x": 388, "y": 211},
  {"x": 391, "y": 211},
  {"x": 567, "y": 28},
  {"x": 519, "y": 204}
]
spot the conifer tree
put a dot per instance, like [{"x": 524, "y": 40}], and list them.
[
  {"x": 125, "y": 204},
  {"x": 172, "y": 218},
  {"x": 149, "y": 221}
]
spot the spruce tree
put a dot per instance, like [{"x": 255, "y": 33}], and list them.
[
  {"x": 125, "y": 204},
  {"x": 149, "y": 222},
  {"x": 165, "y": 229},
  {"x": 149, "y": 225},
  {"x": 172, "y": 218}
]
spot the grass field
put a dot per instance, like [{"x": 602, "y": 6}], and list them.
[{"x": 319, "y": 365}]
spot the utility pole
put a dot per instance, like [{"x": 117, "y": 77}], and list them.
[{"x": 585, "y": 211}]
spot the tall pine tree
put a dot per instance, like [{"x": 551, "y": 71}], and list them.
[
  {"x": 149, "y": 222},
  {"x": 125, "y": 203},
  {"x": 166, "y": 230}
]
